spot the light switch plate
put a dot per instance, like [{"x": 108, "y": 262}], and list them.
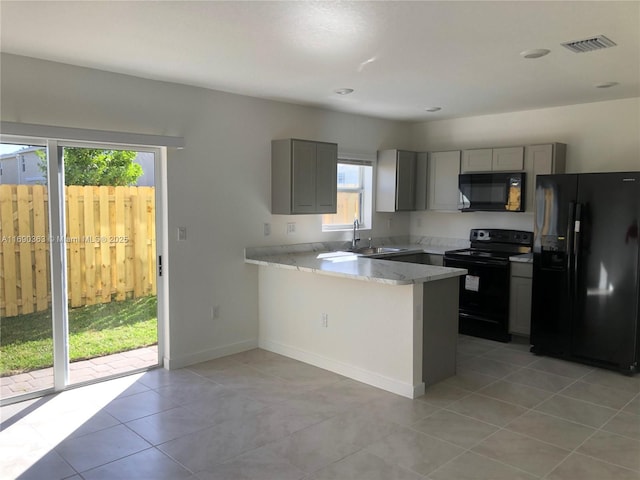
[{"x": 182, "y": 233}]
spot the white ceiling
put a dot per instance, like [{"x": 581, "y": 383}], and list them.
[{"x": 400, "y": 57}]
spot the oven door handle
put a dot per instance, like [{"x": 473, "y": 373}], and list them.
[{"x": 483, "y": 263}]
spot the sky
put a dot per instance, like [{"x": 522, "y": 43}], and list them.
[{"x": 10, "y": 148}]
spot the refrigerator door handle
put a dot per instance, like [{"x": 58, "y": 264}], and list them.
[
  {"x": 576, "y": 249},
  {"x": 570, "y": 239}
]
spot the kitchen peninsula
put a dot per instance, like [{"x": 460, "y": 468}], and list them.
[{"x": 389, "y": 324}]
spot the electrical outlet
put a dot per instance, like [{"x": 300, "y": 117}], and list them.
[
  {"x": 291, "y": 228},
  {"x": 182, "y": 233},
  {"x": 324, "y": 320},
  {"x": 215, "y": 312},
  {"x": 267, "y": 229}
]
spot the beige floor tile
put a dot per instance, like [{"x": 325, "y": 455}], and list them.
[
  {"x": 198, "y": 389},
  {"x": 454, "y": 428},
  {"x": 539, "y": 379},
  {"x": 322, "y": 444},
  {"x": 470, "y": 466},
  {"x": 470, "y": 380},
  {"x": 580, "y": 467},
  {"x": 259, "y": 464},
  {"x": 224, "y": 405},
  {"x": 363, "y": 465},
  {"x": 561, "y": 367},
  {"x": 148, "y": 464},
  {"x": 522, "y": 452},
  {"x": 511, "y": 356},
  {"x": 487, "y": 409},
  {"x": 554, "y": 430},
  {"x": 442, "y": 394},
  {"x": 489, "y": 366},
  {"x": 625, "y": 424},
  {"x": 205, "y": 368},
  {"x": 599, "y": 394},
  {"x": 576, "y": 411},
  {"x": 400, "y": 410},
  {"x": 614, "y": 449},
  {"x": 258, "y": 414},
  {"x": 474, "y": 348},
  {"x": 139, "y": 405},
  {"x": 168, "y": 425},
  {"x": 513, "y": 393},
  {"x": 51, "y": 466},
  {"x": 98, "y": 448},
  {"x": 614, "y": 379},
  {"x": 633, "y": 406},
  {"x": 206, "y": 448},
  {"x": 414, "y": 451}
]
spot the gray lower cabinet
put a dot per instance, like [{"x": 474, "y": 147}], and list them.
[
  {"x": 520, "y": 298},
  {"x": 401, "y": 181},
  {"x": 436, "y": 259},
  {"x": 303, "y": 177}
]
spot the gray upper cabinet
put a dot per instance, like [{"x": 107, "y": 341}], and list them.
[
  {"x": 542, "y": 160},
  {"x": 443, "y": 192},
  {"x": 507, "y": 159},
  {"x": 303, "y": 177},
  {"x": 401, "y": 181},
  {"x": 477, "y": 160}
]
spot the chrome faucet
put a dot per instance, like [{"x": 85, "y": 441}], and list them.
[{"x": 356, "y": 237}]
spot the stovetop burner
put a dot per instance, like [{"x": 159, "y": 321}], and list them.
[{"x": 494, "y": 244}]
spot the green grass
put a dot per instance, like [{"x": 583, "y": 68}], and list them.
[{"x": 97, "y": 330}]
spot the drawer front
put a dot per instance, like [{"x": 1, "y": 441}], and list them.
[{"x": 519, "y": 269}]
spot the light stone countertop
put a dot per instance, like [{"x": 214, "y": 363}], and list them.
[
  {"x": 524, "y": 258},
  {"x": 349, "y": 265}
]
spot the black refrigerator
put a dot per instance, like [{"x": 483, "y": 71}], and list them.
[{"x": 586, "y": 265}]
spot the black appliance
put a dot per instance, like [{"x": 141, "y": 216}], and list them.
[
  {"x": 585, "y": 269},
  {"x": 492, "y": 192},
  {"x": 484, "y": 291}
]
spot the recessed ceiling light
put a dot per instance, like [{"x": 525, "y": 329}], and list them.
[
  {"x": 344, "y": 91},
  {"x": 605, "y": 84},
  {"x": 535, "y": 53},
  {"x": 433, "y": 109}
]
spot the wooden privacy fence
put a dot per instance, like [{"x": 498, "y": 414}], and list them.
[{"x": 110, "y": 242}]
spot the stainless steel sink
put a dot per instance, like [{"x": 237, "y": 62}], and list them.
[{"x": 377, "y": 250}]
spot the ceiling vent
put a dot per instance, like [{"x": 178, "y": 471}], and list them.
[{"x": 589, "y": 44}]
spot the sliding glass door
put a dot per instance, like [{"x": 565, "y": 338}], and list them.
[
  {"x": 26, "y": 328},
  {"x": 79, "y": 285}
]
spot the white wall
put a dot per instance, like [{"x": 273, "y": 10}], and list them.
[
  {"x": 218, "y": 186},
  {"x": 600, "y": 137},
  {"x": 371, "y": 332}
]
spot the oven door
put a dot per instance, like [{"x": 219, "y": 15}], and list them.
[{"x": 484, "y": 298}]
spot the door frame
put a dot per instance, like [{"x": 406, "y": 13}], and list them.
[{"x": 58, "y": 254}]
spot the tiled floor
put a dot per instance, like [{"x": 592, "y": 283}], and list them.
[
  {"x": 506, "y": 415},
  {"x": 80, "y": 371}
]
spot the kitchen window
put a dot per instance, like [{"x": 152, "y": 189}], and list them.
[{"x": 355, "y": 193}]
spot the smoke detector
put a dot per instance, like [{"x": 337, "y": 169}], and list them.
[{"x": 589, "y": 44}]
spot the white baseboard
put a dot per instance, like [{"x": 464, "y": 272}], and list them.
[
  {"x": 208, "y": 354},
  {"x": 341, "y": 368}
]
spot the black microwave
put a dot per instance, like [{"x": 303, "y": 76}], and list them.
[{"x": 492, "y": 192}]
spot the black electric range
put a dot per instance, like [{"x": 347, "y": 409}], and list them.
[{"x": 484, "y": 291}]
